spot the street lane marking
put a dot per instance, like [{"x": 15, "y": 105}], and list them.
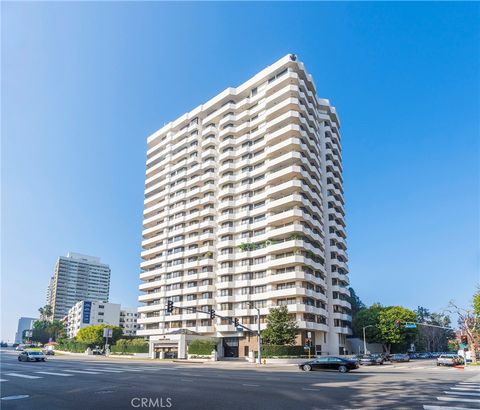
[
  {"x": 462, "y": 393},
  {"x": 25, "y": 376},
  {"x": 104, "y": 370},
  {"x": 250, "y": 385},
  {"x": 458, "y": 399},
  {"x": 81, "y": 371},
  {"x": 120, "y": 369},
  {"x": 20, "y": 396},
  {"x": 55, "y": 374},
  {"x": 305, "y": 388},
  {"x": 186, "y": 380},
  {"x": 426, "y": 407},
  {"x": 3, "y": 380},
  {"x": 465, "y": 389}
]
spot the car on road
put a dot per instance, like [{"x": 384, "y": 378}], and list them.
[
  {"x": 371, "y": 359},
  {"x": 49, "y": 352},
  {"x": 329, "y": 363},
  {"x": 398, "y": 357},
  {"x": 19, "y": 348},
  {"x": 31, "y": 356},
  {"x": 449, "y": 360}
]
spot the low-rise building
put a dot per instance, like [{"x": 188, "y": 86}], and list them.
[
  {"x": 87, "y": 313},
  {"x": 128, "y": 321},
  {"x": 24, "y": 323}
]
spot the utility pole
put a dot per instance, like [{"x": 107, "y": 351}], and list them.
[
  {"x": 365, "y": 339},
  {"x": 259, "y": 342}
]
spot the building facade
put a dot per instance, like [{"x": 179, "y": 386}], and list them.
[
  {"x": 88, "y": 313},
  {"x": 244, "y": 209},
  {"x": 24, "y": 323},
  {"x": 78, "y": 277},
  {"x": 128, "y": 321},
  {"x": 50, "y": 288}
]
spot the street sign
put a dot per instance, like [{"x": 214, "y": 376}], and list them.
[
  {"x": 410, "y": 326},
  {"x": 107, "y": 332},
  {"x": 306, "y": 347}
]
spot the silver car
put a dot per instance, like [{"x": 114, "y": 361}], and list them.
[
  {"x": 31, "y": 356},
  {"x": 449, "y": 360}
]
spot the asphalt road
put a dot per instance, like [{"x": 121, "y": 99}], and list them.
[{"x": 66, "y": 382}]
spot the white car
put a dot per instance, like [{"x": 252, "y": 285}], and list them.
[{"x": 449, "y": 360}]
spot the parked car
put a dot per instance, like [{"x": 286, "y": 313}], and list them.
[
  {"x": 449, "y": 360},
  {"x": 31, "y": 356},
  {"x": 49, "y": 352},
  {"x": 398, "y": 357},
  {"x": 329, "y": 363},
  {"x": 370, "y": 359},
  {"x": 19, "y": 348}
]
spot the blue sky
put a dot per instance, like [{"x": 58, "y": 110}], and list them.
[{"x": 83, "y": 85}]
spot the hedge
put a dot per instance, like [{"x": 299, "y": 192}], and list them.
[
  {"x": 201, "y": 347},
  {"x": 73, "y": 346},
  {"x": 124, "y": 346},
  {"x": 276, "y": 350}
]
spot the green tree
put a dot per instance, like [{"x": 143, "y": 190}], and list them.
[
  {"x": 281, "y": 327},
  {"x": 368, "y": 318},
  {"x": 423, "y": 314},
  {"x": 356, "y": 304},
  {"x": 45, "y": 312},
  {"x": 44, "y": 330},
  {"x": 389, "y": 332},
  {"x": 94, "y": 334}
]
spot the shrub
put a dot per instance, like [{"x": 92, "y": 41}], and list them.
[
  {"x": 201, "y": 347},
  {"x": 124, "y": 346},
  {"x": 277, "y": 350},
  {"x": 73, "y": 346}
]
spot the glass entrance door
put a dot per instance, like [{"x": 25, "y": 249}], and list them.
[{"x": 230, "y": 346}]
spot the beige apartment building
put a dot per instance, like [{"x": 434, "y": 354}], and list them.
[{"x": 244, "y": 209}]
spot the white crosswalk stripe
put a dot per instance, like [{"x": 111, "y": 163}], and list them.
[
  {"x": 55, "y": 374},
  {"x": 462, "y": 396},
  {"x": 105, "y": 370},
  {"x": 81, "y": 371},
  {"x": 25, "y": 376},
  {"x": 458, "y": 399},
  {"x": 120, "y": 369},
  {"x": 463, "y": 393}
]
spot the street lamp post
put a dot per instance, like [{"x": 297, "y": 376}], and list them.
[
  {"x": 365, "y": 339},
  {"x": 259, "y": 342}
]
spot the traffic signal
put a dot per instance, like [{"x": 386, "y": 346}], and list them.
[
  {"x": 398, "y": 323},
  {"x": 212, "y": 314},
  {"x": 235, "y": 322},
  {"x": 170, "y": 306},
  {"x": 463, "y": 339}
]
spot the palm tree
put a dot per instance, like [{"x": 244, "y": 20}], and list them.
[
  {"x": 45, "y": 312},
  {"x": 48, "y": 311}
]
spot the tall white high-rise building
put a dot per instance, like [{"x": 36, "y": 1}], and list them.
[
  {"x": 78, "y": 277},
  {"x": 244, "y": 208}
]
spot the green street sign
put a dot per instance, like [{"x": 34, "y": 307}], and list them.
[{"x": 410, "y": 326}]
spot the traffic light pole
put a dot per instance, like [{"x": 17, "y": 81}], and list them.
[{"x": 212, "y": 314}]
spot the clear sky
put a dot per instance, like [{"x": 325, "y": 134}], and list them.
[{"x": 83, "y": 85}]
